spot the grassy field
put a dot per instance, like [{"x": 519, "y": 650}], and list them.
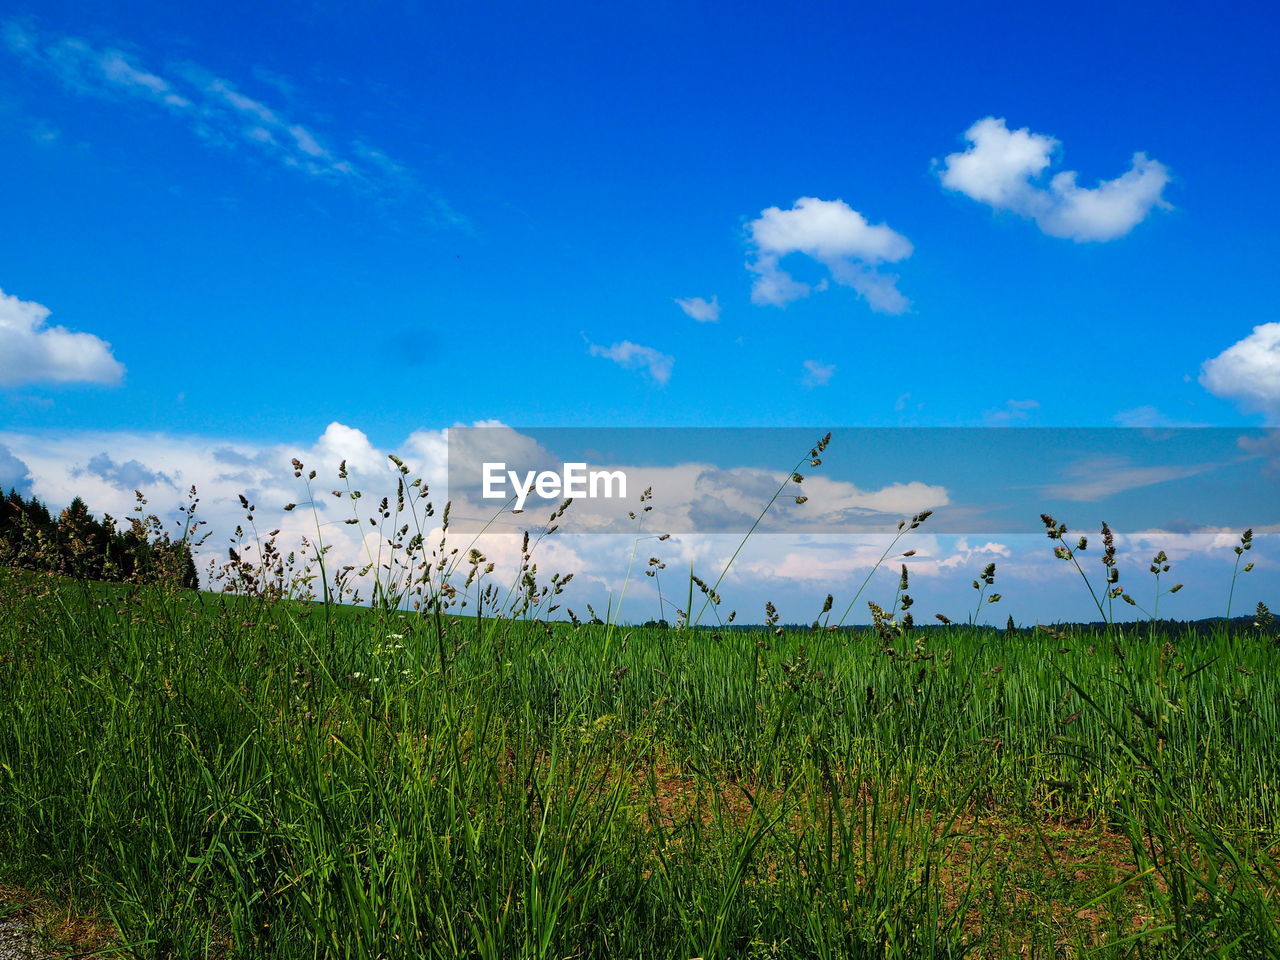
[{"x": 192, "y": 775}]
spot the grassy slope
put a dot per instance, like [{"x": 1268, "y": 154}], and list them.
[{"x": 231, "y": 778}]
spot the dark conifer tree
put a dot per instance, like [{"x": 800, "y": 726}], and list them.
[{"x": 77, "y": 544}]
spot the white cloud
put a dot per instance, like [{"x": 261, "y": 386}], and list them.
[
  {"x": 633, "y": 356},
  {"x": 31, "y": 351},
  {"x": 14, "y": 473},
  {"x": 87, "y": 70},
  {"x": 836, "y": 236},
  {"x": 292, "y": 143},
  {"x": 710, "y": 498},
  {"x": 1096, "y": 478},
  {"x": 1148, "y": 416},
  {"x": 834, "y": 561},
  {"x": 128, "y": 476},
  {"x": 116, "y": 69},
  {"x": 811, "y": 564},
  {"x": 998, "y": 167},
  {"x": 704, "y": 311},
  {"x": 1013, "y": 411},
  {"x": 1004, "y": 168},
  {"x": 44, "y": 133},
  {"x": 1248, "y": 372},
  {"x": 211, "y": 106},
  {"x": 818, "y": 374},
  {"x": 966, "y": 555}
]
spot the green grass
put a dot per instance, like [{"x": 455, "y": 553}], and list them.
[{"x": 216, "y": 776}]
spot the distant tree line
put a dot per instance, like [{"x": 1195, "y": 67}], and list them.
[{"x": 76, "y": 544}]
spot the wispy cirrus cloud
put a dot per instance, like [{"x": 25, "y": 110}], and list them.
[
  {"x": 1150, "y": 417},
  {"x": 1003, "y": 169},
  {"x": 700, "y": 309},
  {"x": 1013, "y": 411},
  {"x": 1096, "y": 478},
  {"x": 214, "y": 108},
  {"x": 80, "y": 67},
  {"x": 817, "y": 373}
]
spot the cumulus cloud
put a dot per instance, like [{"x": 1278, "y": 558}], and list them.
[
  {"x": 817, "y": 373},
  {"x": 32, "y": 351},
  {"x": 966, "y": 555},
  {"x": 130, "y": 475},
  {"x": 1005, "y": 168},
  {"x": 709, "y": 498},
  {"x": 632, "y": 356},
  {"x": 704, "y": 311},
  {"x": 837, "y": 237},
  {"x": 14, "y": 473},
  {"x": 1248, "y": 372}
]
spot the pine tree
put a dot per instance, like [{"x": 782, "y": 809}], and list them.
[{"x": 77, "y": 544}]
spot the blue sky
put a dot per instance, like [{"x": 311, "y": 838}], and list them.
[{"x": 403, "y": 216}]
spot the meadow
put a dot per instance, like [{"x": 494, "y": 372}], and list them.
[{"x": 269, "y": 772}]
